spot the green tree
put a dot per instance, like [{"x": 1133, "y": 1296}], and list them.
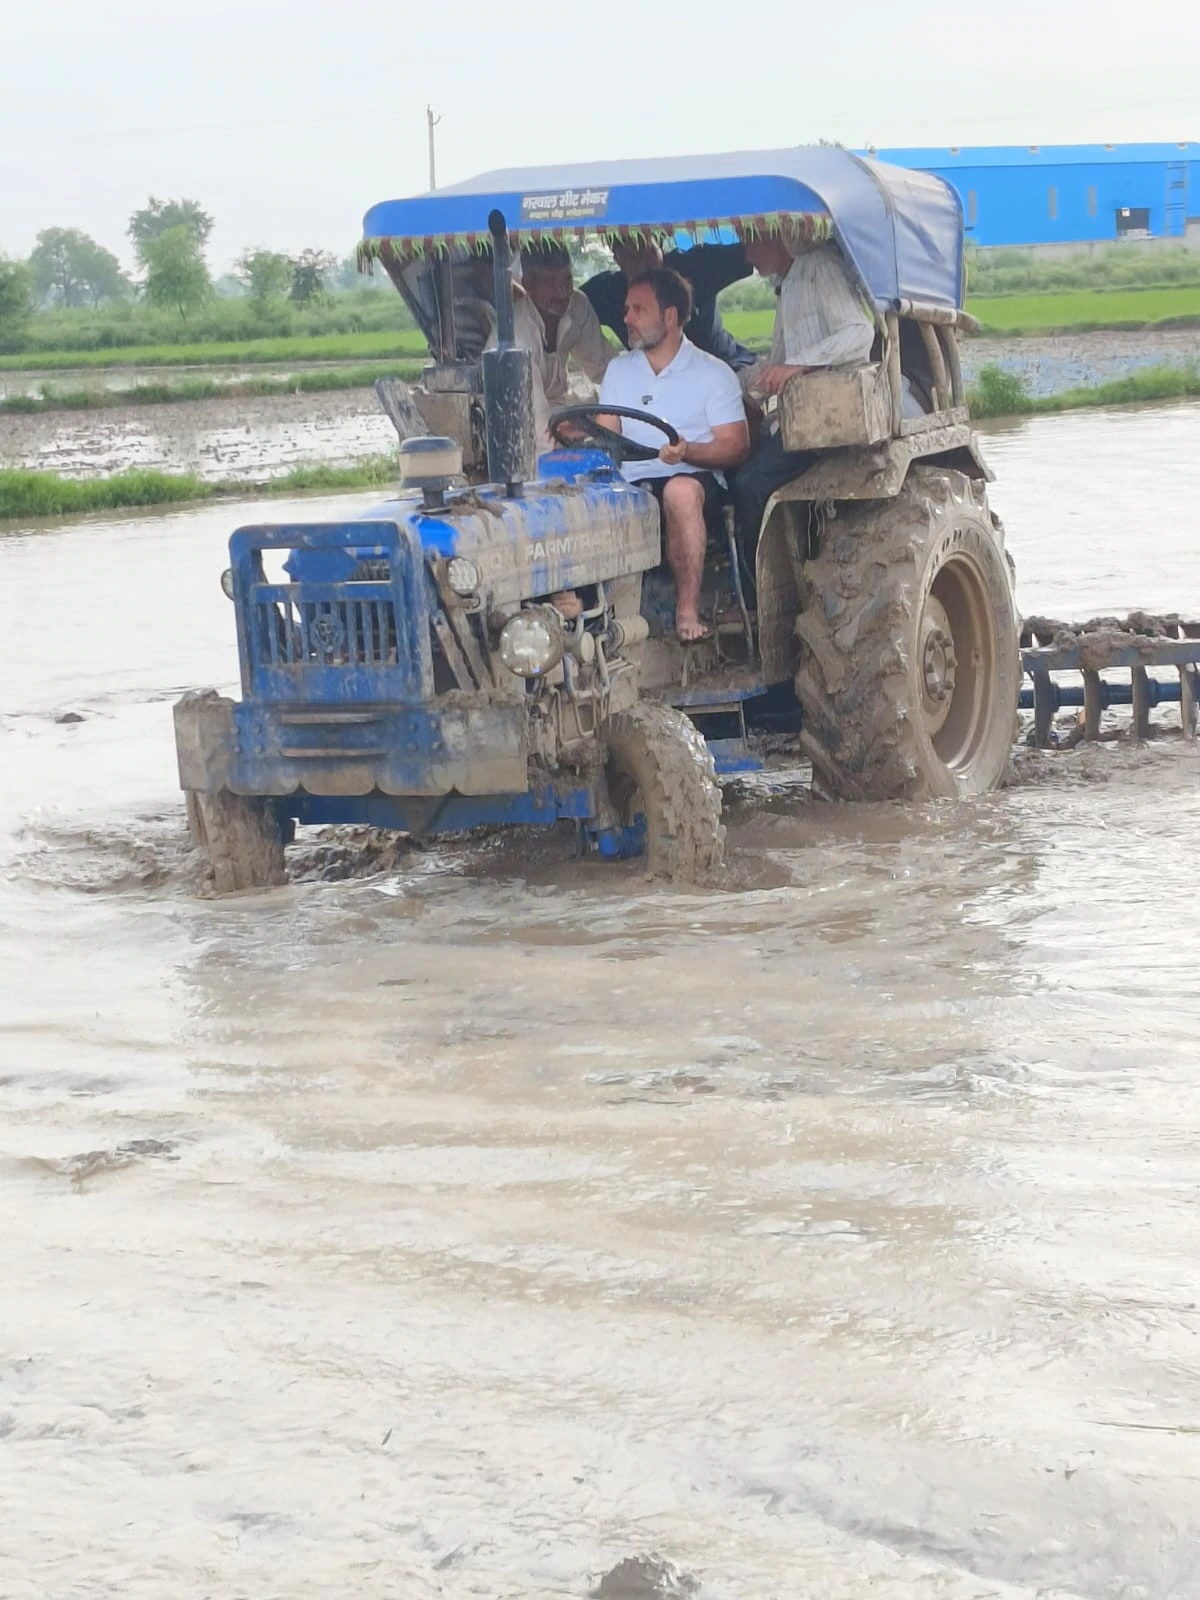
[
  {"x": 161, "y": 216},
  {"x": 16, "y": 298},
  {"x": 266, "y": 273},
  {"x": 103, "y": 276},
  {"x": 71, "y": 269},
  {"x": 56, "y": 262},
  {"x": 175, "y": 271},
  {"x": 309, "y": 271}
]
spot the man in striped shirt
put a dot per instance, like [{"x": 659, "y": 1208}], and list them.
[{"x": 822, "y": 320}]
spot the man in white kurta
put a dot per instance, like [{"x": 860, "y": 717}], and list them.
[{"x": 822, "y": 320}]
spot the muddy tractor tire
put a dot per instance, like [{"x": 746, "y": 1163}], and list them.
[
  {"x": 910, "y": 665},
  {"x": 659, "y": 768},
  {"x": 242, "y": 837}
]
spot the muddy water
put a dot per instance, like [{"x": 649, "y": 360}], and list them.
[
  {"x": 463, "y": 1229},
  {"x": 1102, "y": 508}
]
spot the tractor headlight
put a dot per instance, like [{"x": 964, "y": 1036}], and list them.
[
  {"x": 463, "y": 576},
  {"x": 227, "y": 583},
  {"x": 531, "y": 643}
]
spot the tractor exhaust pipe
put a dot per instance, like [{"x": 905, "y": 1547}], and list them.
[
  {"x": 502, "y": 279},
  {"x": 507, "y": 380}
]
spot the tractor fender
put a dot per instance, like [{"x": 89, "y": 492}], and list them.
[{"x": 878, "y": 472}]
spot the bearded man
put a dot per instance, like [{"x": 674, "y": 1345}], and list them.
[{"x": 664, "y": 373}]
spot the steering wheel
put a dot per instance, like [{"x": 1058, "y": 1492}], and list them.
[{"x": 584, "y": 417}]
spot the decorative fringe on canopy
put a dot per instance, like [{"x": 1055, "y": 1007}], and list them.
[{"x": 813, "y": 227}]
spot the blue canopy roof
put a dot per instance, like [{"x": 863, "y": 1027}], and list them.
[{"x": 901, "y": 230}]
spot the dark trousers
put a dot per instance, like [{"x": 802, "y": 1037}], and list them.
[{"x": 768, "y": 468}]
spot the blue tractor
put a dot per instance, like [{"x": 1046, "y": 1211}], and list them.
[{"x": 493, "y": 644}]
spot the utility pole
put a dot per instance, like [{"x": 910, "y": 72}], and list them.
[{"x": 432, "y": 122}]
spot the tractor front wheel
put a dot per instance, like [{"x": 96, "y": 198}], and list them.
[
  {"x": 242, "y": 836},
  {"x": 661, "y": 778}
]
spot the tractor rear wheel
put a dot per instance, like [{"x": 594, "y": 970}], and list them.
[
  {"x": 242, "y": 836},
  {"x": 910, "y": 663},
  {"x": 659, "y": 769}
]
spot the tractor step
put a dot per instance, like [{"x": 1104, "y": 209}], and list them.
[{"x": 1131, "y": 644}]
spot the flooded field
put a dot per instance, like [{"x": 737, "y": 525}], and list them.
[
  {"x": 114, "y": 380},
  {"x": 262, "y": 437},
  {"x": 257, "y": 437},
  {"x": 468, "y": 1227},
  {"x": 1051, "y": 363}
]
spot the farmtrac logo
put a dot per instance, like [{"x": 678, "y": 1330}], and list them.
[
  {"x": 550, "y": 549},
  {"x": 494, "y": 562}
]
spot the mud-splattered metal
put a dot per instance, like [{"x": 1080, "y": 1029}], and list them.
[{"x": 362, "y": 700}]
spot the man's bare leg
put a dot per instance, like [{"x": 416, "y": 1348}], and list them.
[{"x": 683, "y": 513}]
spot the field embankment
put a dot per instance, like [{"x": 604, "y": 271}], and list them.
[
  {"x": 1000, "y": 393},
  {"x": 299, "y": 347},
  {"x": 47, "y": 494}
]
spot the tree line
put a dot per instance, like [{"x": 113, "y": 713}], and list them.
[{"x": 67, "y": 268}]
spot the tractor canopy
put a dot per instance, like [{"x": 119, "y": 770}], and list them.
[{"x": 901, "y": 231}]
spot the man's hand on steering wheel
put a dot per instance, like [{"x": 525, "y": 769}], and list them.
[{"x": 585, "y": 421}]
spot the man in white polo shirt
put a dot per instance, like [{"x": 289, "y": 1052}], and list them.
[{"x": 664, "y": 373}]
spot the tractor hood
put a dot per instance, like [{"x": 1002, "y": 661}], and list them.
[{"x": 581, "y": 523}]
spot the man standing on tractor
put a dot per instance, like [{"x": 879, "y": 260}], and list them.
[
  {"x": 821, "y": 320},
  {"x": 707, "y": 269},
  {"x": 552, "y": 320},
  {"x": 571, "y": 330},
  {"x": 664, "y": 373}
]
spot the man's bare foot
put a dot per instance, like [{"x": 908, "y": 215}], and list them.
[
  {"x": 688, "y": 630},
  {"x": 567, "y": 603}
]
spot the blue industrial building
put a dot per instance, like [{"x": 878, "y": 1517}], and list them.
[{"x": 1069, "y": 194}]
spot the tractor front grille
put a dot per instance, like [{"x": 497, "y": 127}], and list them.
[
  {"x": 347, "y": 626},
  {"x": 293, "y": 630}
]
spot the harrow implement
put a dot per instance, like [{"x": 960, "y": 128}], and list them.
[{"x": 1132, "y": 646}]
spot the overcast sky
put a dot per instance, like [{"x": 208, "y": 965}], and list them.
[{"x": 287, "y": 120}]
